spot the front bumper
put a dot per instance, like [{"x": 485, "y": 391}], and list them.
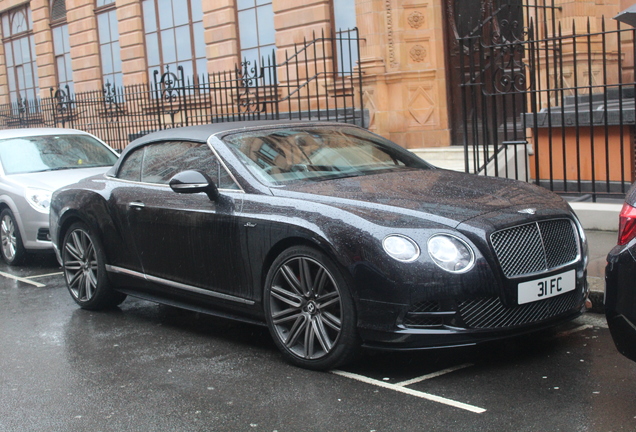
[
  {"x": 34, "y": 228},
  {"x": 452, "y": 322}
]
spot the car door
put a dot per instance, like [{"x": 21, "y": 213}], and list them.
[{"x": 186, "y": 241}]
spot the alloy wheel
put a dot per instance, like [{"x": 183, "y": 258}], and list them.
[
  {"x": 306, "y": 308},
  {"x": 8, "y": 237},
  {"x": 80, "y": 265}
]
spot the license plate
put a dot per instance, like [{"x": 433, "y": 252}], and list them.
[{"x": 540, "y": 289}]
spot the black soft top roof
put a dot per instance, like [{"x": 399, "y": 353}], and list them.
[{"x": 202, "y": 133}]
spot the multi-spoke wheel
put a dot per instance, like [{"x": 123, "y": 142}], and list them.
[
  {"x": 13, "y": 251},
  {"x": 309, "y": 309},
  {"x": 84, "y": 270}
]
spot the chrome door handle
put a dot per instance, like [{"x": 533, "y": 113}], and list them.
[{"x": 136, "y": 205}]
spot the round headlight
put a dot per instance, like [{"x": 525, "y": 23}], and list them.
[
  {"x": 451, "y": 253},
  {"x": 401, "y": 248}
]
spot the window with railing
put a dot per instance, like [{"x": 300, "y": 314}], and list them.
[
  {"x": 344, "y": 12},
  {"x": 174, "y": 36},
  {"x": 19, "y": 51},
  {"x": 109, "y": 42}
]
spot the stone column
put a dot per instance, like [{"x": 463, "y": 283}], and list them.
[
  {"x": 404, "y": 66},
  {"x": 84, "y": 42},
  {"x": 221, "y": 34},
  {"x": 4, "y": 82},
  {"x": 297, "y": 21},
  {"x": 132, "y": 42},
  {"x": 43, "y": 38}
]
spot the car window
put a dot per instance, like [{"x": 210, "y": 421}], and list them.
[
  {"x": 159, "y": 162},
  {"x": 281, "y": 155},
  {"x": 130, "y": 168},
  {"x": 53, "y": 152}
]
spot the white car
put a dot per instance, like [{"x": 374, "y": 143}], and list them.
[{"x": 33, "y": 163}]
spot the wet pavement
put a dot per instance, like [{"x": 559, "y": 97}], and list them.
[{"x": 145, "y": 367}]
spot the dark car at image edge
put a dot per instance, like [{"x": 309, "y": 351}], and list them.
[
  {"x": 620, "y": 281},
  {"x": 333, "y": 237}
]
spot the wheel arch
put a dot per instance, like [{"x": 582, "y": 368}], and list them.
[
  {"x": 316, "y": 243},
  {"x": 68, "y": 219},
  {"x": 278, "y": 248},
  {"x": 94, "y": 214},
  {"x": 8, "y": 203}
]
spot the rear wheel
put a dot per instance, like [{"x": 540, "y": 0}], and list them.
[
  {"x": 309, "y": 310},
  {"x": 13, "y": 251},
  {"x": 84, "y": 269}
]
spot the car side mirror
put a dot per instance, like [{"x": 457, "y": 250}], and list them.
[{"x": 189, "y": 182}]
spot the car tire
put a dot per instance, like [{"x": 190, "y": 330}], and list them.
[
  {"x": 13, "y": 251},
  {"x": 84, "y": 269},
  {"x": 309, "y": 310}
]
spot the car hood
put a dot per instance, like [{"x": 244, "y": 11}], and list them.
[
  {"x": 448, "y": 197},
  {"x": 52, "y": 180}
]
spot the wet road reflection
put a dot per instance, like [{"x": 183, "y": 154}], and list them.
[{"x": 147, "y": 367}]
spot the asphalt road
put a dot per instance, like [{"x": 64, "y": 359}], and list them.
[{"x": 145, "y": 367}]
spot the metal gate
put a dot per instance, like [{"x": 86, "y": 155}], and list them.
[{"x": 545, "y": 101}]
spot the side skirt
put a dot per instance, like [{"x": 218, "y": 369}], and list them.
[
  {"x": 177, "y": 285},
  {"x": 191, "y": 307}
]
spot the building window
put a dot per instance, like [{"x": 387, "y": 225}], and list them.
[
  {"x": 109, "y": 42},
  {"x": 58, "y": 10},
  {"x": 344, "y": 12},
  {"x": 62, "y": 51},
  {"x": 61, "y": 45},
  {"x": 19, "y": 50},
  {"x": 174, "y": 36},
  {"x": 256, "y": 30}
]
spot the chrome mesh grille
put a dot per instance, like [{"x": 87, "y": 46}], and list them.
[
  {"x": 491, "y": 313},
  {"x": 535, "y": 247}
]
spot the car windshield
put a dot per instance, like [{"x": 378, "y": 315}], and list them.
[
  {"x": 279, "y": 156},
  {"x": 53, "y": 152}
]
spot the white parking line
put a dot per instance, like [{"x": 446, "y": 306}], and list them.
[
  {"x": 21, "y": 279},
  {"x": 402, "y": 389},
  {"x": 45, "y": 275},
  {"x": 432, "y": 375}
]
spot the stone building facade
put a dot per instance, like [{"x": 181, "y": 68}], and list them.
[{"x": 404, "y": 53}]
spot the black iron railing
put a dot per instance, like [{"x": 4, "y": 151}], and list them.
[
  {"x": 319, "y": 80},
  {"x": 548, "y": 104}
]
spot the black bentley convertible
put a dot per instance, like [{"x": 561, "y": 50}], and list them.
[{"x": 334, "y": 237}]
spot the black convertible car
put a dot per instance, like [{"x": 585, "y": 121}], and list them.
[{"x": 334, "y": 237}]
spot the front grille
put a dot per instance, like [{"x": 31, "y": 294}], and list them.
[
  {"x": 491, "y": 313},
  {"x": 44, "y": 235},
  {"x": 536, "y": 247}
]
